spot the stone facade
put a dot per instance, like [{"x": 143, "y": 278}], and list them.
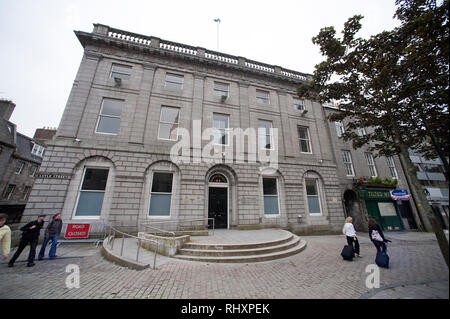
[{"x": 133, "y": 153}]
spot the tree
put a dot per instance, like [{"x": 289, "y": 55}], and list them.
[{"x": 391, "y": 82}]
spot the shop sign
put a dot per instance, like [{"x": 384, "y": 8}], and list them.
[{"x": 400, "y": 194}]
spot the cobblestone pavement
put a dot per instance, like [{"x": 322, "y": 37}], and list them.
[{"x": 417, "y": 270}]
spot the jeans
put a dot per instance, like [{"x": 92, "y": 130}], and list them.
[
  {"x": 52, "y": 253},
  {"x": 350, "y": 241},
  {"x": 23, "y": 243},
  {"x": 380, "y": 246}
]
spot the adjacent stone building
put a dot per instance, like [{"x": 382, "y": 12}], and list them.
[{"x": 136, "y": 98}]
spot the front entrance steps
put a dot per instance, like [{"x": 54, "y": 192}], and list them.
[{"x": 243, "y": 246}]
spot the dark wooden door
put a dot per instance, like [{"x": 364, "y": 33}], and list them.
[{"x": 218, "y": 206}]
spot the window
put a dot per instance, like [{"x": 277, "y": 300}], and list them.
[
  {"x": 38, "y": 150},
  {"x": 370, "y": 162},
  {"x": 9, "y": 191},
  {"x": 339, "y": 128},
  {"x": 168, "y": 123},
  {"x": 120, "y": 71},
  {"x": 348, "y": 165},
  {"x": 220, "y": 129},
  {"x": 109, "y": 118},
  {"x": 391, "y": 164},
  {"x": 221, "y": 89},
  {"x": 161, "y": 194},
  {"x": 361, "y": 131},
  {"x": 303, "y": 137},
  {"x": 312, "y": 195},
  {"x": 174, "y": 81},
  {"x": 26, "y": 192},
  {"x": 265, "y": 135},
  {"x": 270, "y": 196},
  {"x": 19, "y": 167},
  {"x": 33, "y": 170},
  {"x": 92, "y": 192},
  {"x": 262, "y": 97},
  {"x": 299, "y": 105}
]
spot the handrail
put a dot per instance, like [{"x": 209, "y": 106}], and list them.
[
  {"x": 176, "y": 221},
  {"x": 112, "y": 238}
]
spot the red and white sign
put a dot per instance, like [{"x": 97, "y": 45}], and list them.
[{"x": 77, "y": 231}]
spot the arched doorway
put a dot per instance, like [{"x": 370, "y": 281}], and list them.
[
  {"x": 218, "y": 192},
  {"x": 353, "y": 210}
]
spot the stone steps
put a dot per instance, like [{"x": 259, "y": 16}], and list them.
[{"x": 239, "y": 253}]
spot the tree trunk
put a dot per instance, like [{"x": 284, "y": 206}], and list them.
[{"x": 425, "y": 211}]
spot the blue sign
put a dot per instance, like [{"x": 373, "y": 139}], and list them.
[{"x": 400, "y": 194}]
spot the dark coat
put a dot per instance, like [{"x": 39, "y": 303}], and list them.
[
  {"x": 32, "y": 234},
  {"x": 54, "y": 228},
  {"x": 377, "y": 228}
]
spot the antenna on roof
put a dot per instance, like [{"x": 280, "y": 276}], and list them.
[{"x": 218, "y": 23}]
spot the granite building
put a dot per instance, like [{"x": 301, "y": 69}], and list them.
[{"x": 135, "y": 97}]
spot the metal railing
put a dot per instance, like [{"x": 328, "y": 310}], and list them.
[
  {"x": 170, "y": 227},
  {"x": 112, "y": 233}
]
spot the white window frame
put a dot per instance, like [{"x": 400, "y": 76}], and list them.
[
  {"x": 308, "y": 139},
  {"x": 172, "y": 123},
  {"x": 26, "y": 192},
  {"x": 38, "y": 150},
  {"x": 175, "y": 83},
  {"x": 22, "y": 165},
  {"x": 299, "y": 104},
  {"x": 262, "y": 99},
  {"x": 100, "y": 115},
  {"x": 391, "y": 165},
  {"x": 361, "y": 131},
  {"x": 371, "y": 164},
  {"x": 225, "y": 130},
  {"x": 277, "y": 196},
  {"x": 348, "y": 163},
  {"x": 33, "y": 170},
  {"x": 127, "y": 75},
  {"x": 163, "y": 193},
  {"x": 7, "y": 194},
  {"x": 316, "y": 181},
  {"x": 219, "y": 91},
  {"x": 340, "y": 129},
  {"x": 91, "y": 217},
  {"x": 272, "y": 146}
]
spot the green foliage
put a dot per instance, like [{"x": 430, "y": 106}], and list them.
[
  {"x": 387, "y": 182},
  {"x": 390, "y": 82}
]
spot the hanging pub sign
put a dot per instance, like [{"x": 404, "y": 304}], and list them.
[{"x": 400, "y": 194}]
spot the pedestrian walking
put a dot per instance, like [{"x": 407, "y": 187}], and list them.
[
  {"x": 51, "y": 234},
  {"x": 30, "y": 236},
  {"x": 376, "y": 236},
  {"x": 350, "y": 232},
  {"x": 5, "y": 236}
]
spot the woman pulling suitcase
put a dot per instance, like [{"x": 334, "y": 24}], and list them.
[
  {"x": 377, "y": 237},
  {"x": 350, "y": 232}
]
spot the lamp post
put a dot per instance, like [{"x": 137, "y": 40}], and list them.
[{"x": 218, "y": 22}]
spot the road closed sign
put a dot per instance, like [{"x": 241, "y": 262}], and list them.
[{"x": 77, "y": 231}]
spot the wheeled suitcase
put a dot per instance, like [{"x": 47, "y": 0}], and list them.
[
  {"x": 382, "y": 259},
  {"x": 348, "y": 253}
]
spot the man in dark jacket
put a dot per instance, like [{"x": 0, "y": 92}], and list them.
[
  {"x": 51, "y": 233},
  {"x": 30, "y": 236}
]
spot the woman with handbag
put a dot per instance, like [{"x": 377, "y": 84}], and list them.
[{"x": 376, "y": 236}]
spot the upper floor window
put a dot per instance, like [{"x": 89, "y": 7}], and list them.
[
  {"x": 38, "y": 150},
  {"x": 174, "y": 81},
  {"x": 9, "y": 191},
  {"x": 361, "y": 131},
  {"x": 339, "y": 128},
  {"x": 262, "y": 97},
  {"x": 370, "y": 162},
  {"x": 19, "y": 167},
  {"x": 33, "y": 170},
  {"x": 120, "y": 71},
  {"x": 168, "y": 123},
  {"x": 109, "y": 118},
  {"x": 299, "y": 105},
  {"x": 348, "y": 165},
  {"x": 220, "y": 129},
  {"x": 221, "y": 89},
  {"x": 304, "y": 140},
  {"x": 391, "y": 164},
  {"x": 26, "y": 192},
  {"x": 265, "y": 135}
]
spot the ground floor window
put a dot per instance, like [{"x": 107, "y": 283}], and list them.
[
  {"x": 92, "y": 192},
  {"x": 312, "y": 195},
  {"x": 270, "y": 191},
  {"x": 161, "y": 194}
]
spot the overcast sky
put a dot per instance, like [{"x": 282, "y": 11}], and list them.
[{"x": 40, "y": 54}]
